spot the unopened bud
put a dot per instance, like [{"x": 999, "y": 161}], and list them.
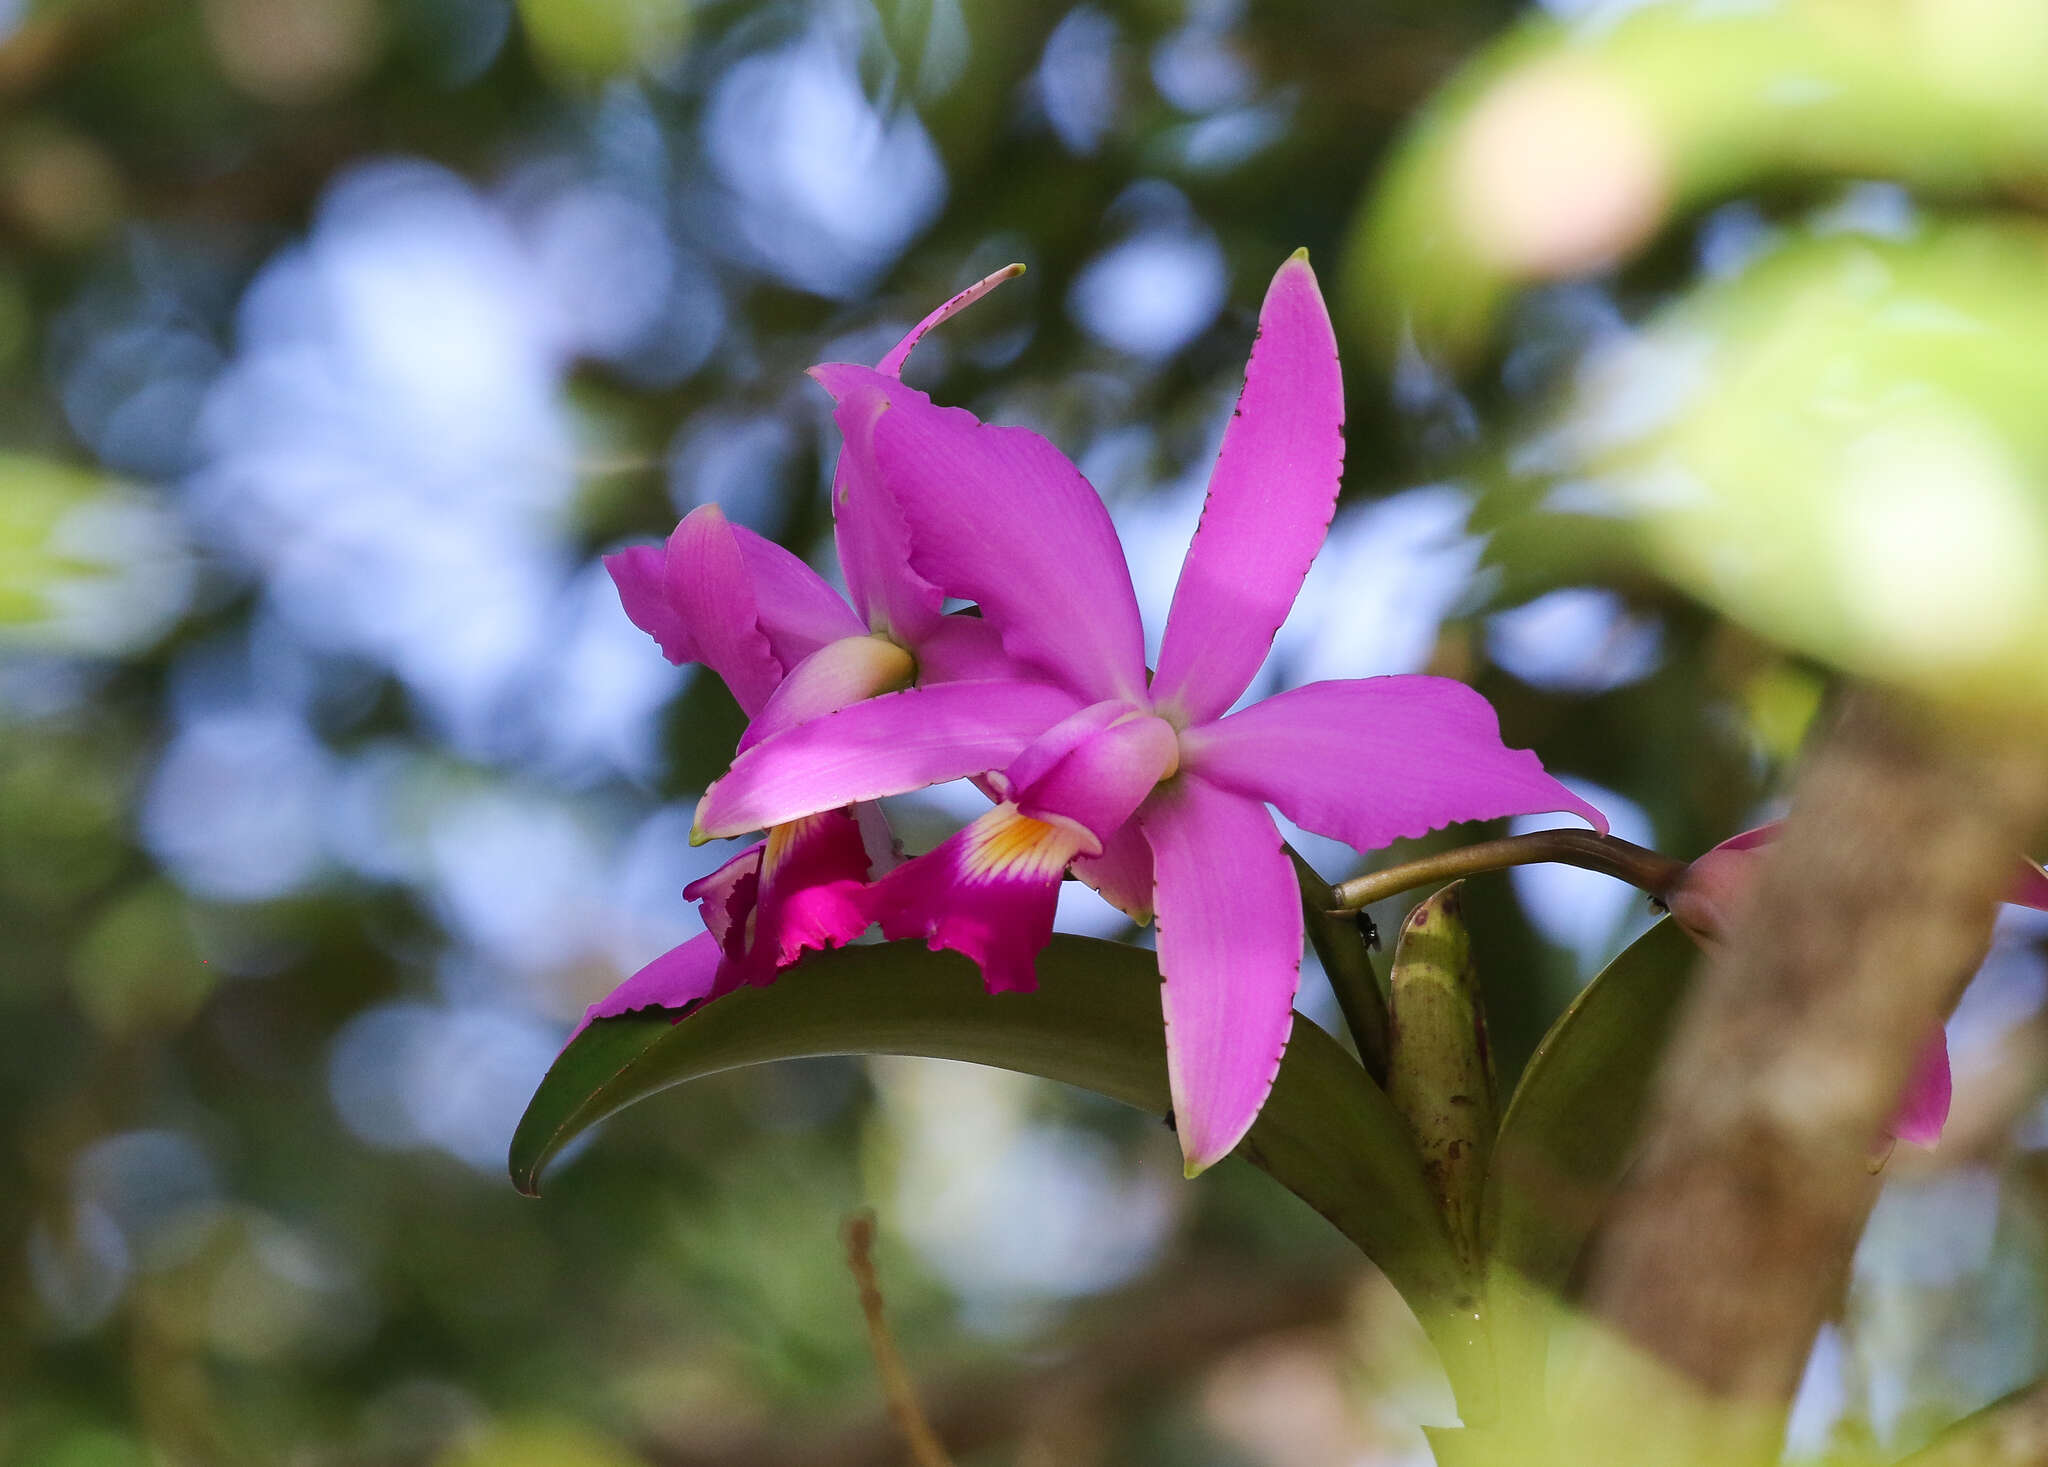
[{"x": 1440, "y": 1071}]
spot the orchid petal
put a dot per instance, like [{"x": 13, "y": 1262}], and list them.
[
  {"x": 989, "y": 891},
  {"x": 962, "y": 649},
  {"x": 1229, "y": 955},
  {"x": 884, "y": 746},
  {"x": 837, "y": 674},
  {"x": 728, "y": 896},
  {"x": 798, "y": 610},
  {"x": 1001, "y": 518},
  {"x": 708, "y": 585},
  {"x": 1122, "y": 874},
  {"x": 1100, "y": 782},
  {"x": 1270, "y": 499},
  {"x": 1367, "y": 761},
  {"x": 2030, "y": 887},
  {"x": 680, "y": 977},
  {"x": 1923, "y": 1109},
  {"x": 640, "y": 573},
  {"x": 892, "y": 364},
  {"x": 811, "y": 873},
  {"x": 869, "y": 526}
]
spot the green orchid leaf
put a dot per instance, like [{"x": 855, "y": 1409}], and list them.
[
  {"x": 1327, "y": 1133},
  {"x": 1574, "y": 1118}
]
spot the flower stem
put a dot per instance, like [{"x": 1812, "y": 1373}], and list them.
[
  {"x": 1341, "y": 946},
  {"x": 1607, "y": 854}
]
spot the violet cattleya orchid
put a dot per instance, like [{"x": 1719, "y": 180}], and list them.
[
  {"x": 790, "y": 648},
  {"x": 1150, "y": 787},
  {"x": 1708, "y": 903}
]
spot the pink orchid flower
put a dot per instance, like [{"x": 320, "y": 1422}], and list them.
[
  {"x": 1149, "y": 787},
  {"x": 790, "y": 648},
  {"x": 1709, "y": 902}
]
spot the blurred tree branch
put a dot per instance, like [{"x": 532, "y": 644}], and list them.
[
  {"x": 2010, "y": 1432},
  {"x": 1729, "y": 1244}
]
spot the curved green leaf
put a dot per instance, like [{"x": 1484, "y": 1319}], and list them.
[
  {"x": 1327, "y": 1133},
  {"x": 1574, "y": 1118}
]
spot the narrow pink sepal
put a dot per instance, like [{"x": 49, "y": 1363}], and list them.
[
  {"x": 1000, "y": 517},
  {"x": 1229, "y": 915},
  {"x": 1923, "y": 1109},
  {"x": 884, "y": 746},
  {"x": 1271, "y": 496},
  {"x": 680, "y": 977},
  {"x": 640, "y": 574},
  {"x": 868, "y": 524},
  {"x": 892, "y": 364},
  {"x": 1368, "y": 761}
]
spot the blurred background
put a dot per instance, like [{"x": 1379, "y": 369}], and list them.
[{"x": 338, "y": 338}]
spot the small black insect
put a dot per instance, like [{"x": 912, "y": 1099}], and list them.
[{"x": 1367, "y": 929}]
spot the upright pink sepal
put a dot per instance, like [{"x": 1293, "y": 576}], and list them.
[{"x": 1270, "y": 499}]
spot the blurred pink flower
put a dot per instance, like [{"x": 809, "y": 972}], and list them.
[{"x": 1709, "y": 901}]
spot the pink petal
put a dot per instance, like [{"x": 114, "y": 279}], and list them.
[
  {"x": 1001, "y": 518},
  {"x": 892, "y": 364},
  {"x": 811, "y": 874},
  {"x": 1370, "y": 760},
  {"x": 1229, "y": 955},
  {"x": 1923, "y": 1109},
  {"x": 640, "y": 573},
  {"x": 798, "y": 610},
  {"x": 727, "y": 897},
  {"x": 1122, "y": 874},
  {"x": 1271, "y": 496},
  {"x": 884, "y": 746},
  {"x": 837, "y": 674},
  {"x": 989, "y": 892},
  {"x": 873, "y": 536},
  {"x": 2029, "y": 887},
  {"x": 707, "y": 583},
  {"x": 963, "y": 649},
  {"x": 680, "y": 977}
]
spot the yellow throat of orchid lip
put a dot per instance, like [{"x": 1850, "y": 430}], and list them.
[{"x": 1008, "y": 843}]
